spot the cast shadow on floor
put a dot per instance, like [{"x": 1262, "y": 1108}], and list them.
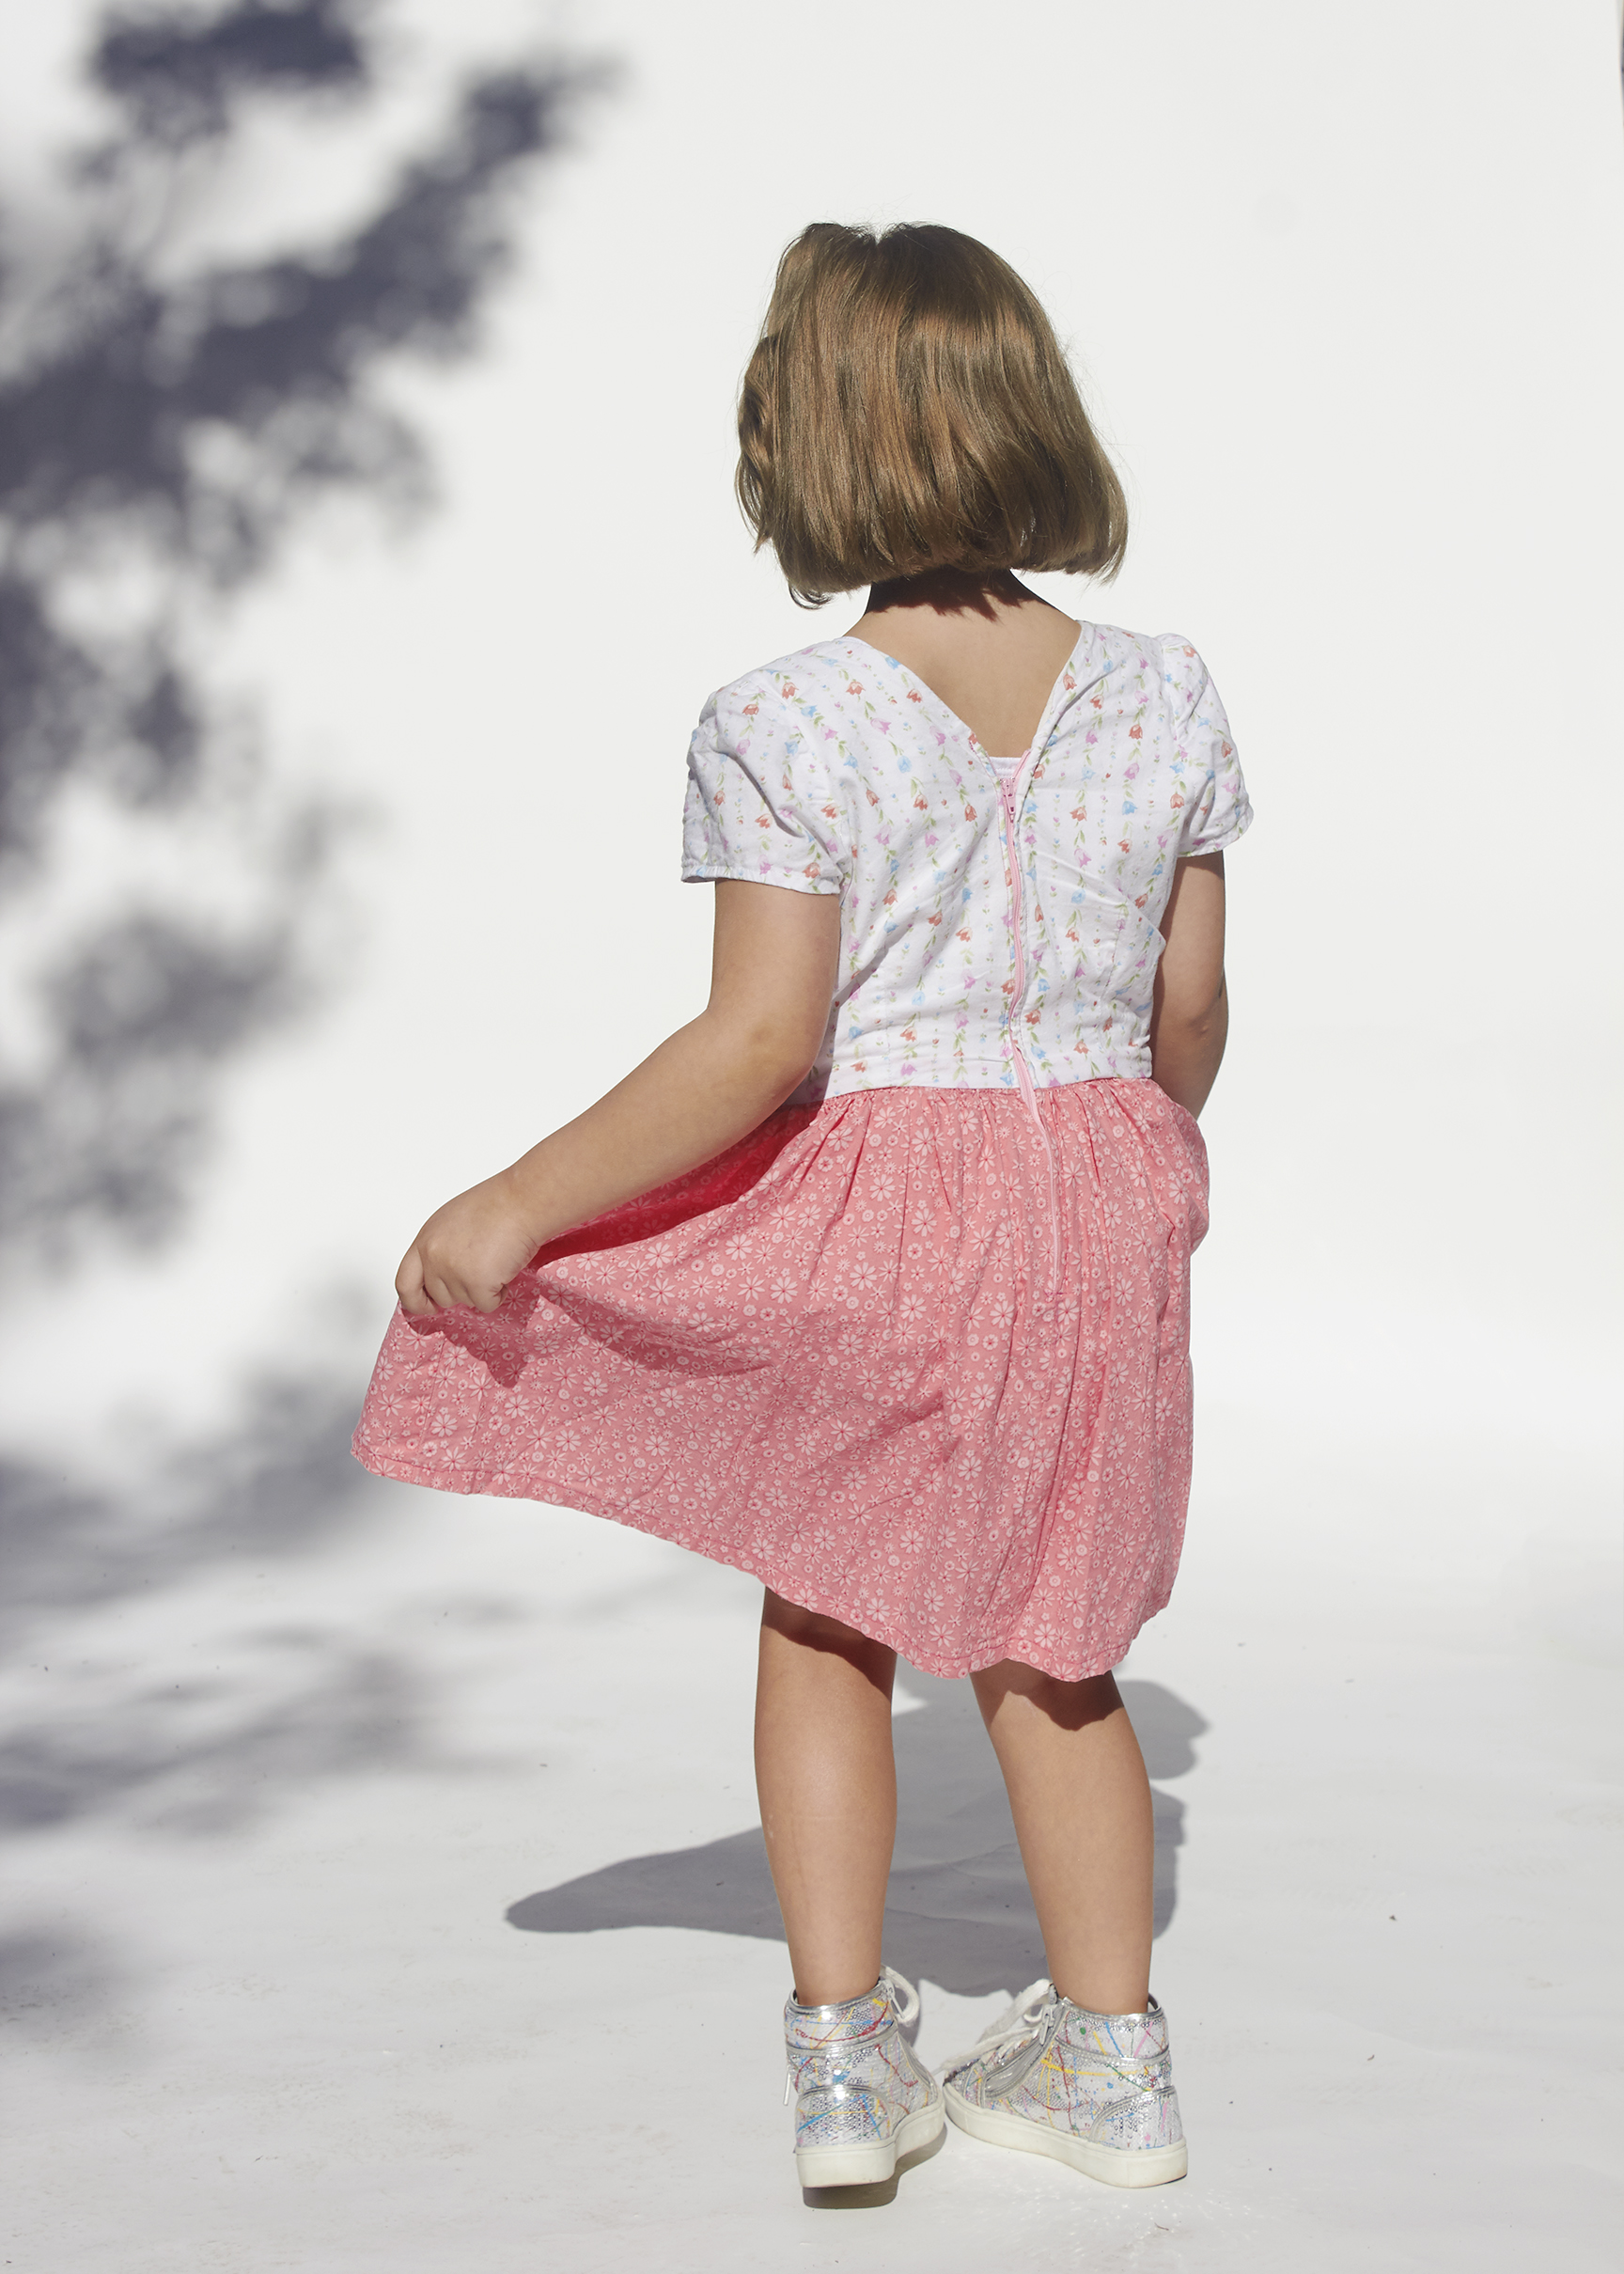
[
  {"x": 874, "y": 2194},
  {"x": 958, "y": 1913}
]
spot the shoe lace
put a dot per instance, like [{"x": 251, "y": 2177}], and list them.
[
  {"x": 1017, "y": 2021},
  {"x": 1030, "y": 2012},
  {"x": 904, "y": 1997}
]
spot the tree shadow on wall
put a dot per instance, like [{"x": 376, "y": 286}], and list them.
[
  {"x": 161, "y": 428},
  {"x": 958, "y": 1912},
  {"x": 197, "y": 1741}
]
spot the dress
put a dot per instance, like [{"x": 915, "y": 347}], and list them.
[{"x": 915, "y": 1352}]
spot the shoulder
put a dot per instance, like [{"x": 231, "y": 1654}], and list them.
[
  {"x": 785, "y": 684},
  {"x": 1167, "y": 663},
  {"x": 787, "y": 710},
  {"x": 1194, "y": 707},
  {"x": 1164, "y": 657},
  {"x": 1183, "y": 672},
  {"x": 777, "y": 715}
]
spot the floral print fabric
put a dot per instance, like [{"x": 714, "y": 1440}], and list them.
[
  {"x": 839, "y": 1356},
  {"x": 834, "y": 770}
]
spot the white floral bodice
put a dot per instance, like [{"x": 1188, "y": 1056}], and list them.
[{"x": 836, "y": 770}]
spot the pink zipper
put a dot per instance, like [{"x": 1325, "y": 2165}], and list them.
[{"x": 1023, "y": 1072}]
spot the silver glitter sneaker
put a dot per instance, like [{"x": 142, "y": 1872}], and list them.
[
  {"x": 1095, "y": 2090},
  {"x": 862, "y": 2098}
]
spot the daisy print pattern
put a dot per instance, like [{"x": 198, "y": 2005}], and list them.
[{"x": 912, "y": 1434}]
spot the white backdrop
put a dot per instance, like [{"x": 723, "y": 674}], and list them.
[{"x": 1344, "y": 288}]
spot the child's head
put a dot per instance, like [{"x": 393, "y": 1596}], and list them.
[{"x": 908, "y": 407}]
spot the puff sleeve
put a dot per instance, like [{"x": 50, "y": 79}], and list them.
[
  {"x": 1216, "y": 808},
  {"x": 759, "y": 805}
]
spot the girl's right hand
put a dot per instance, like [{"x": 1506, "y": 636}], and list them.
[
  {"x": 469, "y": 1250},
  {"x": 773, "y": 972}
]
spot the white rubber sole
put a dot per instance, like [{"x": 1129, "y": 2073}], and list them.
[
  {"x": 1116, "y": 2167},
  {"x": 862, "y": 2167}
]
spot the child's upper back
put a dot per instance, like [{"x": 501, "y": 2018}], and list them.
[
  {"x": 837, "y": 769},
  {"x": 990, "y": 657}
]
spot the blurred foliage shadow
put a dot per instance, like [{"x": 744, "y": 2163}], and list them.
[
  {"x": 199, "y": 1704},
  {"x": 160, "y": 433},
  {"x": 166, "y": 420}
]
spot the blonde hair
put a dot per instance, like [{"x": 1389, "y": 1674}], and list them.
[{"x": 908, "y": 407}]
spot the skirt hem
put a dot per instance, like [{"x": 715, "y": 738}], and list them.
[{"x": 499, "y": 1484}]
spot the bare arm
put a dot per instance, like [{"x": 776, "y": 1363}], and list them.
[
  {"x": 774, "y": 970},
  {"x": 1189, "y": 1009}
]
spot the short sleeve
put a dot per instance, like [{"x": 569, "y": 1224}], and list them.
[
  {"x": 759, "y": 806},
  {"x": 1216, "y": 808}
]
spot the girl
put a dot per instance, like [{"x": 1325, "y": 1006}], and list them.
[{"x": 871, "y": 1281}]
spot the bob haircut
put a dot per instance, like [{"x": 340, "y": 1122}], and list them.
[{"x": 908, "y": 407}]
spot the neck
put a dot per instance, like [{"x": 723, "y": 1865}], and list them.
[{"x": 952, "y": 592}]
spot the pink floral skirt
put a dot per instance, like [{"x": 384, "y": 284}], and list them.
[{"x": 886, "y": 1353}]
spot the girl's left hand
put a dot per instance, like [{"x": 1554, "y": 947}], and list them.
[{"x": 469, "y": 1250}]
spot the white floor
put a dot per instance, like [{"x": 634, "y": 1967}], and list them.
[{"x": 385, "y": 1894}]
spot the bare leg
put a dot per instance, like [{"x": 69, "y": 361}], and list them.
[
  {"x": 827, "y": 1780},
  {"x": 1082, "y": 1806}
]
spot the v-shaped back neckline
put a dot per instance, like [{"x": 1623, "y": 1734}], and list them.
[{"x": 1039, "y": 735}]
